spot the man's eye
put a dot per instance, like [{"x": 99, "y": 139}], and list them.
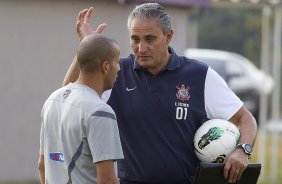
[
  {"x": 135, "y": 39},
  {"x": 149, "y": 39}
]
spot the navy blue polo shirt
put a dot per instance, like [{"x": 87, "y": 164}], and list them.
[{"x": 158, "y": 116}]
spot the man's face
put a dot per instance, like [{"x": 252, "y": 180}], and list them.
[{"x": 149, "y": 44}]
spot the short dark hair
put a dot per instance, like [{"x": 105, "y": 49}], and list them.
[{"x": 93, "y": 50}]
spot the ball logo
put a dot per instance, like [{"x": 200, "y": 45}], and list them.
[
  {"x": 213, "y": 134},
  {"x": 183, "y": 93},
  {"x": 220, "y": 159}
]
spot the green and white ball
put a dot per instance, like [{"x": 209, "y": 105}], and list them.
[{"x": 215, "y": 140}]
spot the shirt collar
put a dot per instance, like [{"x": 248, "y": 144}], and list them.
[{"x": 173, "y": 62}]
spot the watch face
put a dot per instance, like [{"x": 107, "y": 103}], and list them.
[{"x": 248, "y": 148}]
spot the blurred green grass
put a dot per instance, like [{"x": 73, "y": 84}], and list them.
[{"x": 265, "y": 180}]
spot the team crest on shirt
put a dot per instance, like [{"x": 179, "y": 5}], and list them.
[{"x": 183, "y": 93}]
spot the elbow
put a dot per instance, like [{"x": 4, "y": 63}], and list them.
[{"x": 41, "y": 165}]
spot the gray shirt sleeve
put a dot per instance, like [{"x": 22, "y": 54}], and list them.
[{"x": 103, "y": 136}]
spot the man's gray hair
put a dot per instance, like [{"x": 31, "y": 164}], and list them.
[{"x": 149, "y": 11}]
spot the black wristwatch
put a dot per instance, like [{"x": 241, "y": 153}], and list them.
[{"x": 247, "y": 148}]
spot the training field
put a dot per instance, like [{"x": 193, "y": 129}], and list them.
[
  {"x": 267, "y": 165},
  {"x": 266, "y": 179}
]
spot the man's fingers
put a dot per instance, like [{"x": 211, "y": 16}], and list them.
[
  {"x": 240, "y": 172},
  {"x": 88, "y": 15},
  {"x": 83, "y": 26},
  {"x": 81, "y": 15},
  {"x": 234, "y": 175},
  {"x": 231, "y": 175},
  {"x": 226, "y": 170},
  {"x": 101, "y": 28},
  {"x": 239, "y": 175}
]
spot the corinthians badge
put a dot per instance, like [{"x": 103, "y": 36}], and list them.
[{"x": 183, "y": 93}]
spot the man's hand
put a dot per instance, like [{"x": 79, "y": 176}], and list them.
[
  {"x": 235, "y": 165},
  {"x": 83, "y": 27}
]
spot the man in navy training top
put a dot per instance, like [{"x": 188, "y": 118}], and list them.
[{"x": 161, "y": 99}]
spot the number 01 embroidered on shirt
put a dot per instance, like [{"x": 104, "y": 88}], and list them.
[{"x": 183, "y": 95}]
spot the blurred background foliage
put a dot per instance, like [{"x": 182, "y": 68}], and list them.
[
  {"x": 232, "y": 29},
  {"x": 235, "y": 29}
]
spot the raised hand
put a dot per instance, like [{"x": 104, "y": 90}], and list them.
[{"x": 83, "y": 27}]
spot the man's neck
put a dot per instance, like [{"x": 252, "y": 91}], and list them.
[
  {"x": 91, "y": 81},
  {"x": 160, "y": 67}
]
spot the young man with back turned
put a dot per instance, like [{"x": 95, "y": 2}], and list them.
[{"x": 79, "y": 140}]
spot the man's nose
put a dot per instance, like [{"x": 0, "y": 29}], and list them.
[{"x": 142, "y": 47}]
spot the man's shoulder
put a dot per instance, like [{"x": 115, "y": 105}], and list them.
[
  {"x": 88, "y": 101},
  {"x": 192, "y": 64},
  {"x": 193, "y": 61},
  {"x": 127, "y": 63},
  {"x": 57, "y": 93},
  {"x": 127, "y": 60},
  {"x": 104, "y": 111},
  {"x": 76, "y": 95}
]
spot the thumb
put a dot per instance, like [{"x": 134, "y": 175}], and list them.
[{"x": 101, "y": 28}]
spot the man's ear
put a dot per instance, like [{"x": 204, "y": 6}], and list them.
[
  {"x": 105, "y": 67},
  {"x": 169, "y": 35}
]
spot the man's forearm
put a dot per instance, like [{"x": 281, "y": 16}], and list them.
[
  {"x": 248, "y": 130},
  {"x": 73, "y": 73},
  {"x": 247, "y": 126},
  {"x": 42, "y": 176},
  {"x": 41, "y": 169},
  {"x": 106, "y": 172}
]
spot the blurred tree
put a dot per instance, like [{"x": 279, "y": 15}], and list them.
[{"x": 232, "y": 29}]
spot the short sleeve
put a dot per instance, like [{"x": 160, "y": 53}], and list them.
[
  {"x": 220, "y": 101},
  {"x": 103, "y": 136}
]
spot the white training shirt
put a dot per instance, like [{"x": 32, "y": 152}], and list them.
[
  {"x": 220, "y": 101},
  {"x": 78, "y": 129}
]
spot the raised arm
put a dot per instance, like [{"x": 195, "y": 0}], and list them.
[{"x": 83, "y": 29}]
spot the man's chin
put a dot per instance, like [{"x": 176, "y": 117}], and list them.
[{"x": 143, "y": 62}]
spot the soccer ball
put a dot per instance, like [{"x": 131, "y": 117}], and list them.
[{"x": 215, "y": 140}]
